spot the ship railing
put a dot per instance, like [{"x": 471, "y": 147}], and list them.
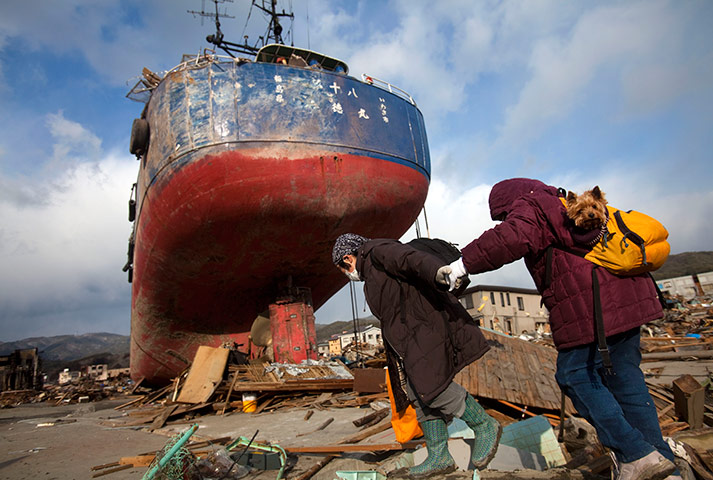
[
  {"x": 141, "y": 91},
  {"x": 388, "y": 87}
]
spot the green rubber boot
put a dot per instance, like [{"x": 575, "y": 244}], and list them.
[
  {"x": 487, "y": 432},
  {"x": 439, "y": 460}
]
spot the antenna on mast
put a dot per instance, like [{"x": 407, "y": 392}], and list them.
[
  {"x": 217, "y": 38},
  {"x": 274, "y": 30}
]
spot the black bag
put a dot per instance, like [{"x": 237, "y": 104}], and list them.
[{"x": 445, "y": 251}]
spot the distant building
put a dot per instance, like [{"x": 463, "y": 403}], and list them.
[
  {"x": 20, "y": 370},
  {"x": 115, "y": 372},
  {"x": 335, "y": 345},
  {"x": 688, "y": 286},
  {"x": 65, "y": 376},
  {"x": 506, "y": 309},
  {"x": 323, "y": 349},
  {"x": 98, "y": 372},
  {"x": 370, "y": 335}
]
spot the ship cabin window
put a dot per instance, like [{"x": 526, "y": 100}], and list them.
[{"x": 298, "y": 57}]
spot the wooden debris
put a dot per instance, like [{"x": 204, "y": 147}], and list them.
[
  {"x": 112, "y": 470},
  {"x": 205, "y": 374},
  {"x": 372, "y": 418},
  {"x": 689, "y": 397},
  {"x": 366, "y": 447},
  {"x": 516, "y": 371},
  {"x": 321, "y": 427}
]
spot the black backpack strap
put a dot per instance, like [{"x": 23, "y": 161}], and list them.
[
  {"x": 659, "y": 293},
  {"x": 599, "y": 325},
  {"x": 633, "y": 236},
  {"x": 560, "y": 435}
]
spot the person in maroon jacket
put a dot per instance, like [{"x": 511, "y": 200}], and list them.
[
  {"x": 618, "y": 405},
  {"x": 428, "y": 336}
]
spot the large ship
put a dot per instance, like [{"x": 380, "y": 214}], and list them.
[{"x": 250, "y": 167}]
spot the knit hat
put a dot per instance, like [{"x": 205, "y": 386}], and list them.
[{"x": 347, "y": 244}]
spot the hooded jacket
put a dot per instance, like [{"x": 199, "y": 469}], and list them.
[
  {"x": 424, "y": 327},
  {"x": 533, "y": 218}
]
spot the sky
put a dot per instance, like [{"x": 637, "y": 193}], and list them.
[{"x": 575, "y": 93}]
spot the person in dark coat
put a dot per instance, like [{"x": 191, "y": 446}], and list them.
[
  {"x": 428, "y": 336},
  {"x": 619, "y": 406}
]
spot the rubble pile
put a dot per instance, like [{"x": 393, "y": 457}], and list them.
[{"x": 515, "y": 383}]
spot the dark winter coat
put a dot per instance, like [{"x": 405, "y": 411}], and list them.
[
  {"x": 534, "y": 218},
  {"x": 425, "y": 327}
]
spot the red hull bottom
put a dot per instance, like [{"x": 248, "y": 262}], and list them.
[{"x": 219, "y": 237}]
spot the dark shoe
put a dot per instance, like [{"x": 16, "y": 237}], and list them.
[
  {"x": 487, "y": 433},
  {"x": 439, "y": 460}
]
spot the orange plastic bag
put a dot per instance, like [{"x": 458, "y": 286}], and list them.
[{"x": 404, "y": 423}]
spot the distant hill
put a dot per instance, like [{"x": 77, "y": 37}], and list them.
[
  {"x": 325, "y": 331},
  {"x": 687, "y": 263},
  {"x": 112, "y": 360},
  {"x": 71, "y": 347},
  {"x": 75, "y": 351}
]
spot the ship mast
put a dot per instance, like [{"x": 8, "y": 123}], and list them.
[
  {"x": 273, "y": 35},
  {"x": 274, "y": 29}
]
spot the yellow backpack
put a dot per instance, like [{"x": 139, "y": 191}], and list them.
[{"x": 633, "y": 243}]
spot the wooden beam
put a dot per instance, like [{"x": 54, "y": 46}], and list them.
[
  {"x": 365, "y": 447},
  {"x": 652, "y": 357}
]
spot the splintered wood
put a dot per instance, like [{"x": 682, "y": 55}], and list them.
[
  {"x": 205, "y": 375},
  {"x": 515, "y": 371}
]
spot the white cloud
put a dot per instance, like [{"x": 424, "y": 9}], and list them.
[
  {"x": 64, "y": 239},
  {"x": 625, "y": 40},
  {"x": 71, "y": 140}
]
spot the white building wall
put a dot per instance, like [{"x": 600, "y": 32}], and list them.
[
  {"x": 507, "y": 311},
  {"x": 371, "y": 335},
  {"x": 706, "y": 280},
  {"x": 684, "y": 286}
]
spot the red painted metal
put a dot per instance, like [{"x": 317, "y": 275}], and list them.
[
  {"x": 219, "y": 235},
  {"x": 293, "y": 332}
]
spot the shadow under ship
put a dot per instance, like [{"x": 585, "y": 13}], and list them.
[{"x": 249, "y": 170}]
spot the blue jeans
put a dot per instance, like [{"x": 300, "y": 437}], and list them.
[{"x": 618, "y": 406}]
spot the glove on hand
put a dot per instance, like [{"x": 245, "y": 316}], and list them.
[
  {"x": 458, "y": 272},
  {"x": 443, "y": 275}
]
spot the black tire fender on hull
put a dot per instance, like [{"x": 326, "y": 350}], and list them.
[{"x": 139, "y": 142}]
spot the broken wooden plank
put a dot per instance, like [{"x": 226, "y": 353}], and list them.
[
  {"x": 137, "y": 461},
  {"x": 230, "y": 391},
  {"x": 379, "y": 414},
  {"x": 106, "y": 465},
  {"x": 691, "y": 354},
  {"x": 366, "y": 447},
  {"x": 516, "y": 371},
  {"x": 112, "y": 470},
  {"x": 160, "y": 420},
  {"x": 321, "y": 427},
  {"x": 205, "y": 374},
  {"x": 136, "y": 385},
  {"x": 295, "y": 385}
]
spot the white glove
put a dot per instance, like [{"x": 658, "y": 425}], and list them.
[
  {"x": 443, "y": 276},
  {"x": 458, "y": 272}
]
